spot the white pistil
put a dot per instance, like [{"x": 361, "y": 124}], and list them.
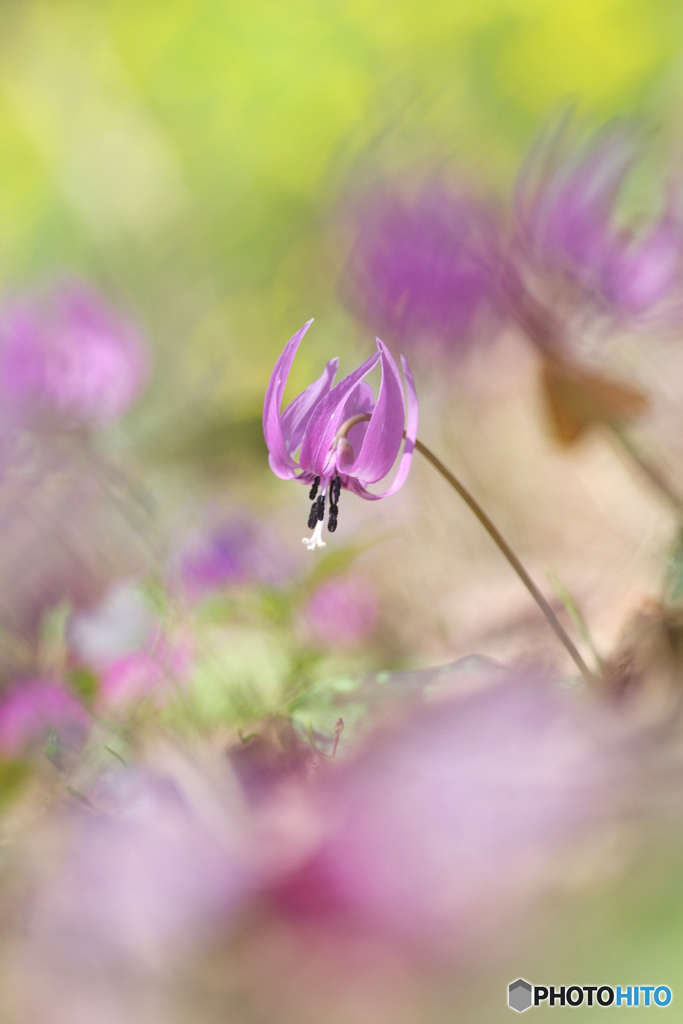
[{"x": 316, "y": 541}]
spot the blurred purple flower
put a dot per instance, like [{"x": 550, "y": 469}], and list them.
[
  {"x": 69, "y": 354},
  {"x": 342, "y": 613},
  {"x": 232, "y": 552},
  {"x": 568, "y": 211},
  {"x": 345, "y": 438},
  {"x": 30, "y": 709},
  {"x": 450, "y": 819},
  {"x": 424, "y": 270}
]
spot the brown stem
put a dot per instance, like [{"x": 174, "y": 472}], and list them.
[{"x": 498, "y": 539}]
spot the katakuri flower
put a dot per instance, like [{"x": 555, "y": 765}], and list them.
[
  {"x": 425, "y": 270},
  {"x": 345, "y": 438},
  {"x": 68, "y": 353},
  {"x": 570, "y": 221}
]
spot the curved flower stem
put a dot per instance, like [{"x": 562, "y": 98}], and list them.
[
  {"x": 650, "y": 471},
  {"x": 498, "y": 539}
]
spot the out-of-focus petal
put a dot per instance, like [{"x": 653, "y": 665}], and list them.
[
  {"x": 30, "y": 709},
  {"x": 408, "y": 448},
  {"x": 640, "y": 276},
  {"x": 327, "y": 418},
  {"x": 297, "y": 414},
  {"x": 450, "y": 820},
  {"x": 564, "y": 205},
  {"x": 423, "y": 268},
  {"x": 281, "y": 462}
]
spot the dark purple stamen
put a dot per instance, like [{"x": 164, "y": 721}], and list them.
[
  {"x": 321, "y": 507},
  {"x": 335, "y": 489},
  {"x": 314, "y": 488}
]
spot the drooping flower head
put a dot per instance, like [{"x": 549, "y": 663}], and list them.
[
  {"x": 346, "y": 439},
  {"x": 569, "y": 219},
  {"x": 423, "y": 269}
]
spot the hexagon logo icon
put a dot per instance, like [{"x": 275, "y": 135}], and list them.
[{"x": 519, "y": 995}]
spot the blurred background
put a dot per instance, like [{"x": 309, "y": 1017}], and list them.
[
  {"x": 196, "y": 180},
  {"x": 191, "y": 160}
]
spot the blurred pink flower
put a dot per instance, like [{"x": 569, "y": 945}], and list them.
[
  {"x": 424, "y": 270},
  {"x": 128, "y": 649},
  {"x": 342, "y": 613},
  {"x": 71, "y": 354},
  {"x": 450, "y": 819},
  {"x": 152, "y": 673},
  {"x": 30, "y": 709},
  {"x": 568, "y": 215}
]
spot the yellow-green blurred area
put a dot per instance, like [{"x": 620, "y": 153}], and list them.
[{"x": 186, "y": 155}]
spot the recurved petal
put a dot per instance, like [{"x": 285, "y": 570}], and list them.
[
  {"x": 295, "y": 417},
  {"x": 281, "y": 462},
  {"x": 408, "y": 448},
  {"x": 383, "y": 436},
  {"x": 639, "y": 276},
  {"x": 326, "y": 418}
]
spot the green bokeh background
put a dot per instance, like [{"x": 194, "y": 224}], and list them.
[{"x": 187, "y": 154}]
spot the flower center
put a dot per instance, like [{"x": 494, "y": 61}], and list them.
[
  {"x": 341, "y": 454},
  {"x": 316, "y": 516}
]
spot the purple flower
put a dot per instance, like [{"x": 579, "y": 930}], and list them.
[
  {"x": 70, "y": 355},
  {"x": 345, "y": 438},
  {"x": 231, "y": 551},
  {"x": 424, "y": 270},
  {"x": 568, "y": 213}
]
